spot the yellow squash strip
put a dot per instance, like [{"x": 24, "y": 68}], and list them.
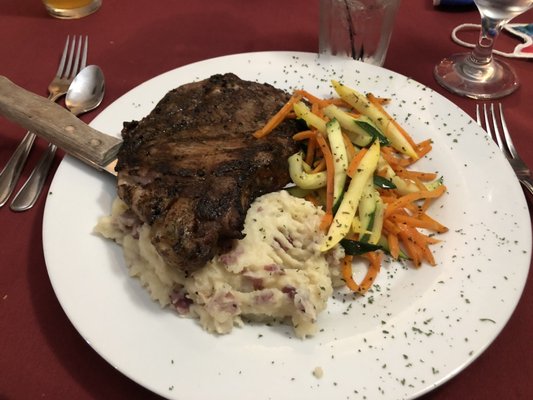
[
  {"x": 340, "y": 158},
  {"x": 312, "y": 120},
  {"x": 384, "y": 122}
]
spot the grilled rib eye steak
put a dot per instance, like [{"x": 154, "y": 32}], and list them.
[{"x": 192, "y": 167}]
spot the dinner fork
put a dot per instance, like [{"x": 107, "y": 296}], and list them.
[
  {"x": 30, "y": 191},
  {"x": 505, "y": 142},
  {"x": 67, "y": 70}
]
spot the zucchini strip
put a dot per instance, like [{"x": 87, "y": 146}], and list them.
[
  {"x": 379, "y": 216},
  {"x": 367, "y": 210},
  {"x": 346, "y": 212},
  {"x": 301, "y": 178}
]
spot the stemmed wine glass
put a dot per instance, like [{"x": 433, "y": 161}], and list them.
[{"x": 478, "y": 74}]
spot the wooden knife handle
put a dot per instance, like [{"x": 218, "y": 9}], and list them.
[{"x": 56, "y": 124}]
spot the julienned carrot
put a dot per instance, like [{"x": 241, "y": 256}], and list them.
[
  {"x": 393, "y": 158},
  {"x": 304, "y": 135},
  {"x": 326, "y": 221},
  {"x": 389, "y": 200},
  {"x": 337, "y": 101},
  {"x": 394, "y": 245},
  {"x": 418, "y": 237},
  {"x": 330, "y": 173},
  {"x": 434, "y": 225},
  {"x": 347, "y": 273},
  {"x": 350, "y": 149},
  {"x": 291, "y": 115},
  {"x": 320, "y": 166},
  {"x": 418, "y": 240},
  {"x": 317, "y": 110},
  {"x": 413, "y": 251},
  {"x": 354, "y": 114},
  {"x": 311, "y": 198},
  {"x": 425, "y": 223},
  {"x": 418, "y": 219},
  {"x": 415, "y": 243},
  {"x": 382, "y": 100},
  {"x": 311, "y": 150},
  {"x": 277, "y": 118},
  {"x": 411, "y": 197},
  {"x": 372, "y": 272},
  {"x": 320, "y": 102},
  {"x": 423, "y": 176},
  {"x": 390, "y": 226},
  {"x": 427, "y": 203},
  {"x": 352, "y": 167},
  {"x": 424, "y": 147},
  {"x": 304, "y": 93}
]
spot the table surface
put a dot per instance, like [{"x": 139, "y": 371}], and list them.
[{"x": 41, "y": 354}]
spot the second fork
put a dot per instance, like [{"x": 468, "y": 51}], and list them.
[
  {"x": 57, "y": 88},
  {"x": 504, "y": 142},
  {"x": 30, "y": 191}
]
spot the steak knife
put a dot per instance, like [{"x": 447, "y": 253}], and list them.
[{"x": 58, "y": 126}]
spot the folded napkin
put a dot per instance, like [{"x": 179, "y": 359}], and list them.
[{"x": 522, "y": 32}]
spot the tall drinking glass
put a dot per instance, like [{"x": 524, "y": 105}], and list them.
[
  {"x": 478, "y": 74},
  {"x": 360, "y": 29}
]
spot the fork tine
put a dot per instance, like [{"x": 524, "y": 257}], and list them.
[
  {"x": 76, "y": 61},
  {"x": 496, "y": 130},
  {"x": 85, "y": 49},
  {"x": 66, "y": 73},
  {"x": 506, "y": 134},
  {"x": 63, "y": 58},
  {"x": 506, "y": 146},
  {"x": 486, "y": 117},
  {"x": 478, "y": 117}
]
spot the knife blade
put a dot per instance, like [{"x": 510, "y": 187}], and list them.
[{"x": 59, "y": 126}]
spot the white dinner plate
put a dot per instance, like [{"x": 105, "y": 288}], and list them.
[{"x": 416, "y": 329}]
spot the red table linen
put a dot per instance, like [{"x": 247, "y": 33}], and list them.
[{"x": 41, "y": 354}]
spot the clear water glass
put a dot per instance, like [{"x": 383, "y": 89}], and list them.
[
  {"x": 479, "y": 74},
  {"x": 359, "y": 29}
]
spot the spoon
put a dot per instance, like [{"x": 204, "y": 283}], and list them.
[{"x": 84, "y": 94}]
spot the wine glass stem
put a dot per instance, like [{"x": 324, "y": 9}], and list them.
[{"x": 482, "y": 53}]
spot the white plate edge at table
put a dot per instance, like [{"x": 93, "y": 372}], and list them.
[{"x": 394, "y": 344}]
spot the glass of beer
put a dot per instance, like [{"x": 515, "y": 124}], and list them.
[{"x": 70, "y": 9}]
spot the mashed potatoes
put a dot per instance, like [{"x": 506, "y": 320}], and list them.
[{"x": 277, "y": 272}]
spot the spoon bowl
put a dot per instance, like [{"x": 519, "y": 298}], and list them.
[
  {"x": 86, "y": 91},
  {"x": 84, "y": 94}
]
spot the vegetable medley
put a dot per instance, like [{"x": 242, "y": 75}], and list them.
[{"x": 354, "y": 162}]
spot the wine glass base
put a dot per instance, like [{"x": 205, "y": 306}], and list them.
[{"x": 460, "y": 75}]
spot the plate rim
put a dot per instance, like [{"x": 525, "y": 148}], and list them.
[{"x": 148, "y": 82}]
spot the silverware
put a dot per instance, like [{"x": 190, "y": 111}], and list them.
[
  {"x": 505, "y": 142},
  {"x": 30, "y": 191},
  {"x": 59, "y": 126},
  {"x": 57, "y": 88}
]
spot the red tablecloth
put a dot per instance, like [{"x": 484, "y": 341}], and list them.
[{"x": 41, "y": 354}]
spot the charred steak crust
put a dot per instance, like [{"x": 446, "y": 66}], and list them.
[{"x": 191, "y": 168}]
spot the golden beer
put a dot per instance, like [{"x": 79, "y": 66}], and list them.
[{"x": 68, "y": 9}]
